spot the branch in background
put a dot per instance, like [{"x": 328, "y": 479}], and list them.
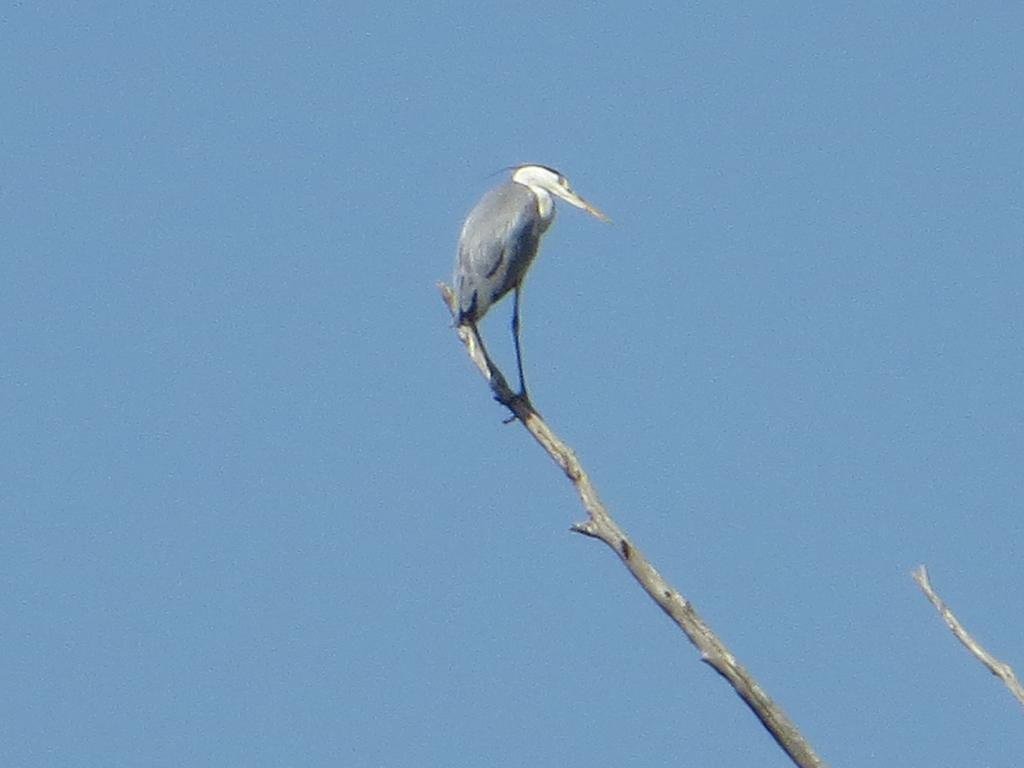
[
  {"x": 600, "y": 525},
  {"x": 998, "y": 668}
]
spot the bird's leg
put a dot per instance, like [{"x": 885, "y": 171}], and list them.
[
  {"x": 502, "y": 393},
  {"x": 519, "y": 353}
]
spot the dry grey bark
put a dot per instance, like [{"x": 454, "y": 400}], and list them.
[{"x": 601, "y": 526}]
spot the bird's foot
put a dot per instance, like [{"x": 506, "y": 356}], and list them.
[{"x": 518, "y": 404}]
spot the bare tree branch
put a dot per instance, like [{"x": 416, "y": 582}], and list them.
[
  {"x": 998, "y": 668},
  {"x": 600, "y": 525}
]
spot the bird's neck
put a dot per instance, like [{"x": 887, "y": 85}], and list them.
[{"x": 545, "y": 203}]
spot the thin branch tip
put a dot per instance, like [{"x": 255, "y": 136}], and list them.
[{"x": 997, "y": 667}]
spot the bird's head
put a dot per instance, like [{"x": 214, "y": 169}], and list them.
[{"x": 540, "y": 177}]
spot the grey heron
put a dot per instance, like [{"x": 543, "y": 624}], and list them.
[{"x": 499, "y": 241}]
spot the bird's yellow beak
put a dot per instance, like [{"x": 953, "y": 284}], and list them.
[
  {"x": 579, "y": 202},
  {"x": 595, "y": 213}
]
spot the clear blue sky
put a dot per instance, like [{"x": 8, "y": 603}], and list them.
[{"x": 258, "y": 509}]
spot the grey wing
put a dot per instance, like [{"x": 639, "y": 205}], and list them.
[{"x": 498, "y": 240}]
